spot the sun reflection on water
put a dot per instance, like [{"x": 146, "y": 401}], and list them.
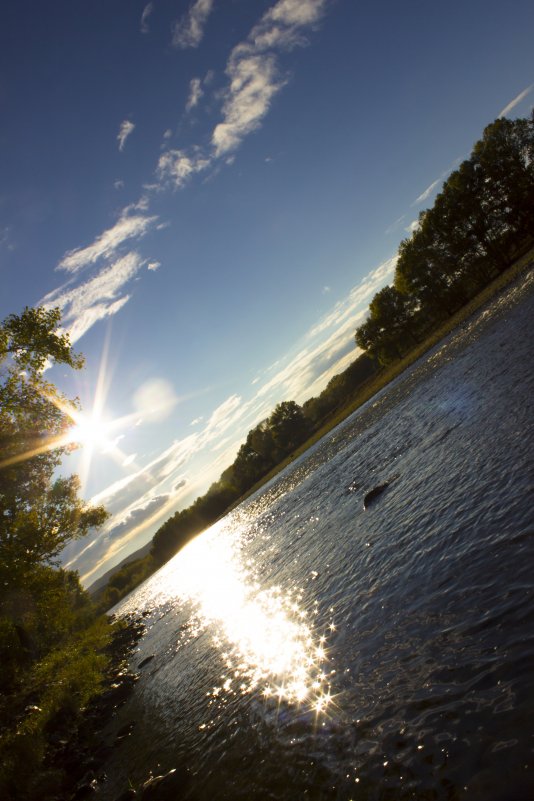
[{"x": 265, "y": 636}]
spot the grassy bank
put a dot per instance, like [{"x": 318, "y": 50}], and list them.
[{"x": 388, "y": 374}]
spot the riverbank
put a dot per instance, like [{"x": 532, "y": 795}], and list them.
[
  {"x": 416, "y": 681},
  {"x": 51, "y": 747},
  {"x": 390, "y": 373},
  {"x": 138, "y": 569}
]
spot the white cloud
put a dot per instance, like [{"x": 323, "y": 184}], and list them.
[
  {"x": 395, "y": 224},
  {"x": 413, "y": 226},
  {"x": 516, "y": 101},
  {"x": 195, "y": 94},
  {"x": 359, "y": 296},
  {"x": 176, "y": 166},
  {"x": 296, "y": 13},
  {"x": 127, "y": 227},
  {"x": 167, "y": 134},
  {"x": 124, "y": 132},
  {"x": 96, "y": 298},
  {"x": 189, "y": 30},
  {"x": 147, "y": 11},
  {"x": 283, "y": 24},
  {"x": 153, "y": 266},
  {"x": 322, "y": 355},
  {"x": 118, "y": 184},
  {"x": 253, "y": 70},
  {"x": 223, "y": 416},
  {"x": 428, "y": 191},
  {"x": 254, "y": 81}
]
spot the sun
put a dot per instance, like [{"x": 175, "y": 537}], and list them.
[{"x": 90, "y": 431}]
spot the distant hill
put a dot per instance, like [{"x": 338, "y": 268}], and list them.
[{"x": 101, "y": 582}]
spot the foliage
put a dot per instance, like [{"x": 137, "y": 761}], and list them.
[
  {"x": 124, "y": 581},
  {"x": 47, "y": 622},
  {"x": 38, "y": 514},
  {"x": 58, "y": 686},
  {"x": 480, "y": 219}
]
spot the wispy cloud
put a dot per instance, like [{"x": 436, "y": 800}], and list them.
[
  {"x": 394, "y": 225},
  {"x": 189, "y": 30},
  {"x": 195, "y": 94},
  {"x": 100, "y": 297},
  {"x": 254, "y": 81},
  {"x": 253, "y": 69},
  {"x": 516, "y": 101},
  {"x": 147, "y": 11},
  {"x": 428, "y": 191},
  {"x": 413, "y": 226},
  {"x": 125, "y": 130},
  {"x": 177, "y": 167},
  {"x": 127, "y": 227}
]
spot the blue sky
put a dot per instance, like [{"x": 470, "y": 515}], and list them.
[{"x": 212, "y": 192}]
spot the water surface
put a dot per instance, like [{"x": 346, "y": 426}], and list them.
[{"x": 306, "y": 648}]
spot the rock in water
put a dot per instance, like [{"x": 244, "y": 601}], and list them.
[{"x": 373, "y": 494}]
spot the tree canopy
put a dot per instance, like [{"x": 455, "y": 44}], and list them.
[
  {"x": 479, "y": 220},
  {"x": 40, "y": 512}
]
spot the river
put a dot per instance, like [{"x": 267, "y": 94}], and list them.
[{"x": 308, "y": 648}]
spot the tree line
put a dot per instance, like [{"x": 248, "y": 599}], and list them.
[
  {"x": 266, "y": 445},
  {"x": 480, "y": 221}
]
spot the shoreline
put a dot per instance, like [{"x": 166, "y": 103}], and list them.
[
  {"x": 77, "y": 757},
  {"x": 388, "y": 374}
]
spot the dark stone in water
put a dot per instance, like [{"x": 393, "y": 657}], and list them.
[
  {"x": 373, "y": 494},
  {"x": 146, "y": 661},
  {"x": 378, "y": 490}
]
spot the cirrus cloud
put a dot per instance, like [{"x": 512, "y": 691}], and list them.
[
  {"x": 127, "y": 127},
  {"x": 127, "y": 227},
  {"x": 189, "y": 30}
]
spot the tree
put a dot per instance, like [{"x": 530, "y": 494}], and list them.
[
  {"x": 39, "y": 513},
  {"x": 289, "y": 426},
  {"x": 390, "y": 328}
]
